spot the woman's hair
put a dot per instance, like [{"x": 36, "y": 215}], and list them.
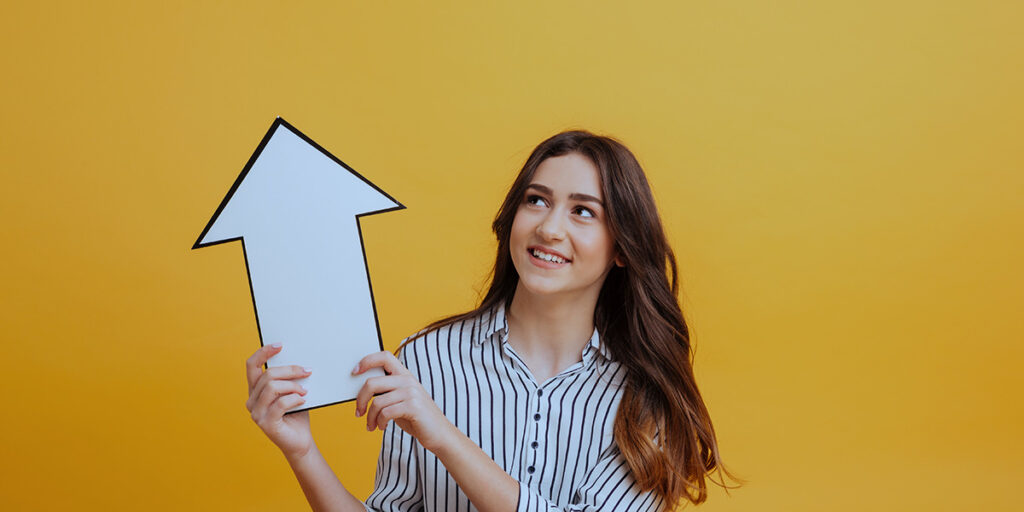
[{"x": 662, "y": 427}]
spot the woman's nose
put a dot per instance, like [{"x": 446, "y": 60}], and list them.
[{"x": 551, "y": 228}]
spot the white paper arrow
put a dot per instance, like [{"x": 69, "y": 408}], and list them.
[{"x": 296, "y": 209}]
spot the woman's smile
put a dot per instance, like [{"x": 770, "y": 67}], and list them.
[{"x": 547, "y": 258}]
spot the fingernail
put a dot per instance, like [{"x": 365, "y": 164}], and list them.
[
  {"x": 307, "y": 369},
  {"x": 356, "y": 369},
  {"x": 276, "y": 345}
]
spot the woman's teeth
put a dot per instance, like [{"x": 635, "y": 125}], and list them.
[{"x": 547, "y": 257}]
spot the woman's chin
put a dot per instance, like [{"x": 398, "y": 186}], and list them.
[{"x": 541, "y": 287}]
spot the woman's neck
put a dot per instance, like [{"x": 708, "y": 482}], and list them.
[{"x": 549, "y": 333}]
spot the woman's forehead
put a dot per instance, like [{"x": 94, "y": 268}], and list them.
[{"x": 569, "y": 174}]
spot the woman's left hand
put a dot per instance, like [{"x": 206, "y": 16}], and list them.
[{"x": 400, "y": 397}]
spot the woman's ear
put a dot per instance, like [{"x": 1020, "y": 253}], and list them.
[{"x": 618, "y": 261}]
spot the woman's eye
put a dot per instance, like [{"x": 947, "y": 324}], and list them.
[
  {"x": 535, "y": 200},
  {"x": 584, "y": 211}
]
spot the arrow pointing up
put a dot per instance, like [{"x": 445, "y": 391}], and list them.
[{"x": 296, "y": 209}]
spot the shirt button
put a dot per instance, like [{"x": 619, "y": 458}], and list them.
[
  {"x": 534, "y": 444},
  {"x": 540, "y": 392},
  {"x": 536, "y": 416},
  {"x": 530, "y": 470}
]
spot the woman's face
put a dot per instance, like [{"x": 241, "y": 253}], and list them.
[{"x": 560, "y": 241}]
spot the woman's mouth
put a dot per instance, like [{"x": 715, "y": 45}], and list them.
[{"x": 545, "y": 259}]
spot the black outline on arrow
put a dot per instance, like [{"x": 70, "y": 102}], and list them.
[{"x": 238, "y": 181}]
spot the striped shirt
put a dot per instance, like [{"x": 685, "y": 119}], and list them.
[{"x": 554, "y": 437}]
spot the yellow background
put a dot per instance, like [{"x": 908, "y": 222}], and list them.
[{"x": 842, "y": 183}]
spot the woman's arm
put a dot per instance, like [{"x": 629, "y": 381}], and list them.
[
  {"x": 609, "y": 486},
  {"x": 488, "y": 486},
  {"x": 321, "y": 486},
  {"x": 271, "y": 393}
]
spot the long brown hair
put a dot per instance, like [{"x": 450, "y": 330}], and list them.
[{"x": 662, "y": 427}]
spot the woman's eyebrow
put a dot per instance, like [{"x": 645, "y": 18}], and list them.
[{"x": 575, "y": 195}]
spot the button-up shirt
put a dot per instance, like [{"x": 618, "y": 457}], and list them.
[{"x": 554, "y": 437}]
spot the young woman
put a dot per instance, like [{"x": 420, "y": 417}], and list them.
[{"x": 569, "y": 388}]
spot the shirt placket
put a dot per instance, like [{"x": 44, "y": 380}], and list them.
[
  {"x": 528, "y": 467},
  {"x": 538, "y": 405},
  {"x": 535, "y": 451}
]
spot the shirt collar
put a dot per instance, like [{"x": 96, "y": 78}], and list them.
[{"x": 494, "y": 322}]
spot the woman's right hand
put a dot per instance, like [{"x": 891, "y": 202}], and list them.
[{"x": 271, "y": 393}]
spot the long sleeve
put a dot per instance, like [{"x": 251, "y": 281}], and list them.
[
  {"x": 608, "y": 486},
  {"x": 397, "y": 487}
]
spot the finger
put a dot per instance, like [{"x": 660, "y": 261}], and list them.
[
  {"x": 283, "y": 404},
  {"x": 274, "y": 412},
  {"x": 376, "y": 386},
  {"x": 383, "y": 359},
  {"x": 393, "y": 412},
  {"x": 254, "y": 365},
  {"x": 289, "y": 371},
  {"x": 273, "y": 390},
  {"x": 276, "y": 373},
  {"x": 380, "y": 402}
]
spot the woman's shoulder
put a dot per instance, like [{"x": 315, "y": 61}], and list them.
[{"x": 448, "y": 338}]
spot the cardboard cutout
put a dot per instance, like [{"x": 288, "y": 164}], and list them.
[{"x": 296, "y": 209}]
